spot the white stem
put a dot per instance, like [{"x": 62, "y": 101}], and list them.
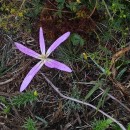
[{"x": 82, "y": 102}]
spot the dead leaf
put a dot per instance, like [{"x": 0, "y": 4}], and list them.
[
  {"x": 119, "y": 54},
  {"x": 116, "y": 57}
]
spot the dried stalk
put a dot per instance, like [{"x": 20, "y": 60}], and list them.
[{"x": 82, "y": 102}]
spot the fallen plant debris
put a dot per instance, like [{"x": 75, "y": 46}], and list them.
[
  {"x": 118, "y": 55},
  {"x": 82, "y": 102}
]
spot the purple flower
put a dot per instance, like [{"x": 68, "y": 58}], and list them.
[{"x": 43, "y": 57}]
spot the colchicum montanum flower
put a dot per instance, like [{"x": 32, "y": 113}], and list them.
[{"x": 43, "y": 57}]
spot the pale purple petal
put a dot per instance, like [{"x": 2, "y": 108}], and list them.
[
  {"x": 41, "y": 41},
  {"x": 30, "y": 75},
  {"x": 56, "y": 64},
  {"x": 27, "y": 51},
  {"x": 57, "y": 43}
]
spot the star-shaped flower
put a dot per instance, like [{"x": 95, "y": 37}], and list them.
[{"x": 43, "y": 57}]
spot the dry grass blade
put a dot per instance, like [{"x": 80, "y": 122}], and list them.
[
  {"x": 107, "y": 94},
  {"x": 119, "y": 86},
  {"x": 117, "y": 101},
  {"x": 19, "y": 71}
]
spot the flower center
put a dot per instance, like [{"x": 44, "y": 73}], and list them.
[{"x": 43, "y": 57}]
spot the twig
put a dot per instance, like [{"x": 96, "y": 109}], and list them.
[
  {"x": 93, "y": 10},
  {"x": 22, "y": 5},
  {"x": 117, "y": 100},
  {"x": 7, "y": 81},
  {"x": 82, "y": 102}
]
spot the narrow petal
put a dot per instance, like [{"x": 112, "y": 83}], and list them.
[
  {"x": 57, "y": 43},
  {"x": 30, "y": 75},
  {"x": 41, "y": 41},
  {"x": 27, "y": 51},
  {"x": 56, "y": 64}
]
